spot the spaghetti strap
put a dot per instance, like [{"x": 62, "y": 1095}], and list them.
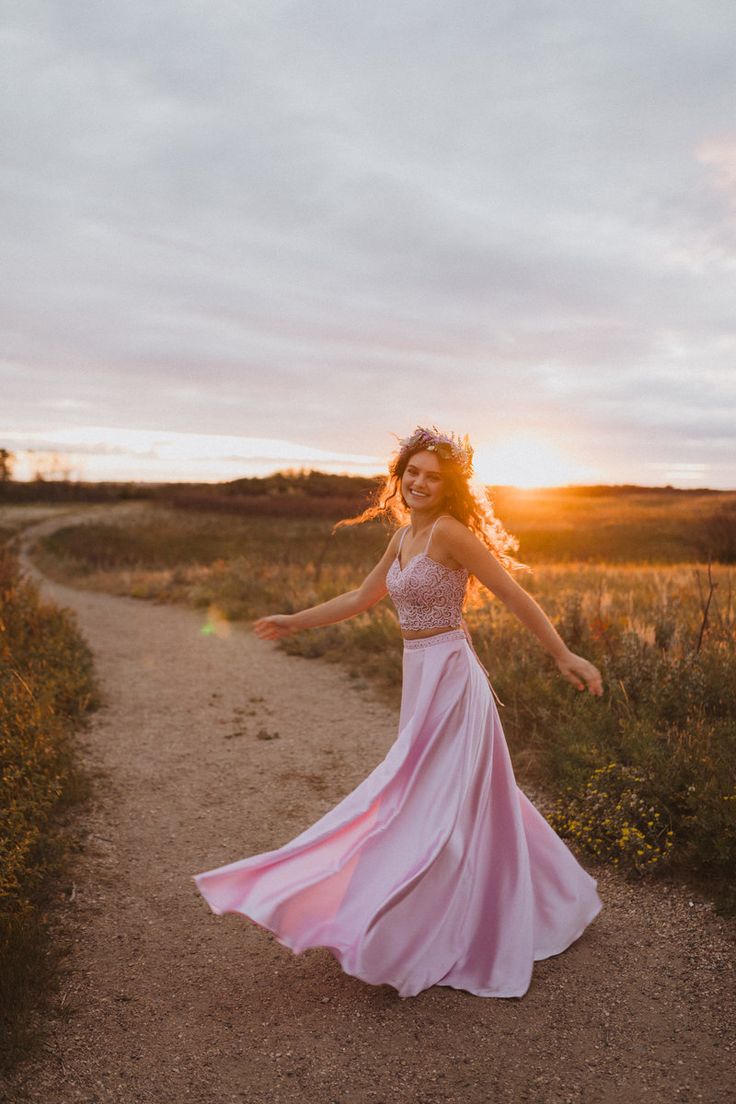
[
  {"x": 431, "y": 533},
  {"x": 398, "y": 550}
]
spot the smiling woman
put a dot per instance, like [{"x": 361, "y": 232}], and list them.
[
  {"x": 434, "y": 471},
  {"x": 437, "y": 869}
]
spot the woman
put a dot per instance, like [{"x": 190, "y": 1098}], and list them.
[{"x": 437, "y": 869}]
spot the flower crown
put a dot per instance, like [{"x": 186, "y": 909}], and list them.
[{"x": 446, "y": 445}]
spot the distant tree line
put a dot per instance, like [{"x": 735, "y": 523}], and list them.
[
  {"x": 62, "y": 490},
  {"x": 314, "y": 484}
]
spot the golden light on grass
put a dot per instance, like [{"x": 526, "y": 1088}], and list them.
[{"x": 527, "y": 460}]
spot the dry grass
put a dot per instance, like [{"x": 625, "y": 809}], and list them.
[{"x": 46, "y": 687}]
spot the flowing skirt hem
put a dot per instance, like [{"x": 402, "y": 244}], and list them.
[{"x": 339, "y": 953}]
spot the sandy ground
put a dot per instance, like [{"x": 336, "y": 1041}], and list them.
[{"x": 212, "y": 747}]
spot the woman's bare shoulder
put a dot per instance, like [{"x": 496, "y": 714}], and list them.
[
  {"x": 451, "y": 541},
  {"x": 449, "y": 527},
  {"x": 449, "y": 524}
]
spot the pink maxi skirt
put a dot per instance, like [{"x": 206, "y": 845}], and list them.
[{"x": 435, "y": 870}]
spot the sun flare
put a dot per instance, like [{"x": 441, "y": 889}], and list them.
[{"x": 528, "y": 461}]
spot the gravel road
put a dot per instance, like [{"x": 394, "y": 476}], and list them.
[{"x": 211, "y": 746}]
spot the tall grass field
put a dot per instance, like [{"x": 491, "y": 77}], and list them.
[
  {"x": 46, "y": 689},
  {"x": 644, "y": 778}
]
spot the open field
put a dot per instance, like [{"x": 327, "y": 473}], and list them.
[
  {"x": 16, "y": 517},
  {"x": 609, "y": 523},
  {"x": 638, "y": 525},
  {"x": 644, "y": 779}
]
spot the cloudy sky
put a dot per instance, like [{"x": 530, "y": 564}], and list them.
[{"x": 238, "y": 236}]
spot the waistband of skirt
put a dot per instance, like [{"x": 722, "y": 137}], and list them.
[{"x": 432, "y": 641}]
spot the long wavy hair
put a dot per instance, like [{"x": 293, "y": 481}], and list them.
[{"x": 465, "y": 499}]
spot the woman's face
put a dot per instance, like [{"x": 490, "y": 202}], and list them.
[{"x": 423, "y": 483}]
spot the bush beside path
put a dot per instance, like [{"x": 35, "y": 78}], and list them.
[{"x": 212, "y": 746}]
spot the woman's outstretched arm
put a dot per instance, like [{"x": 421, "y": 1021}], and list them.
[
  {"x": 340, "y": 608},
  {"x": 469, "y": 551}
]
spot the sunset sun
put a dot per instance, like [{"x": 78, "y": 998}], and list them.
[{"x": 526, "y": 460}]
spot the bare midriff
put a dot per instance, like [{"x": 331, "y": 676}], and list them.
[{"x": 412, "y": 635}]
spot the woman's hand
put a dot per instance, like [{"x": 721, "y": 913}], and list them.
[
  {"x": 580, "y": 672},
  {"x": 276, "y": 626}
]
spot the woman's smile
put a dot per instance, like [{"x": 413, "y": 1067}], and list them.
[
  {"x": 421, "y": 495},
  {"x": 422, "y": 482}
]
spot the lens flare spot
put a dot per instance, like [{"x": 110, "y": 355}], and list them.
[{"x": 216, "y": 624}]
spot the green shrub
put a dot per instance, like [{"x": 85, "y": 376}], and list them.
[{"x": 617, "y": 818}]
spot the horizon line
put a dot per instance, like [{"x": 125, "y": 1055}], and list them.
[{"x": 350, "y": 475}]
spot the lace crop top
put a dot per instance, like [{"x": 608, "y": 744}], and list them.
[{"x": 426, "y": 594}]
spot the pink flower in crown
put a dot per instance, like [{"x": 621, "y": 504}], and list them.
[{"x": 446, "y": 445}]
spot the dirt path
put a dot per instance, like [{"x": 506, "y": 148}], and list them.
[{"x": 165, "y": 1002}]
